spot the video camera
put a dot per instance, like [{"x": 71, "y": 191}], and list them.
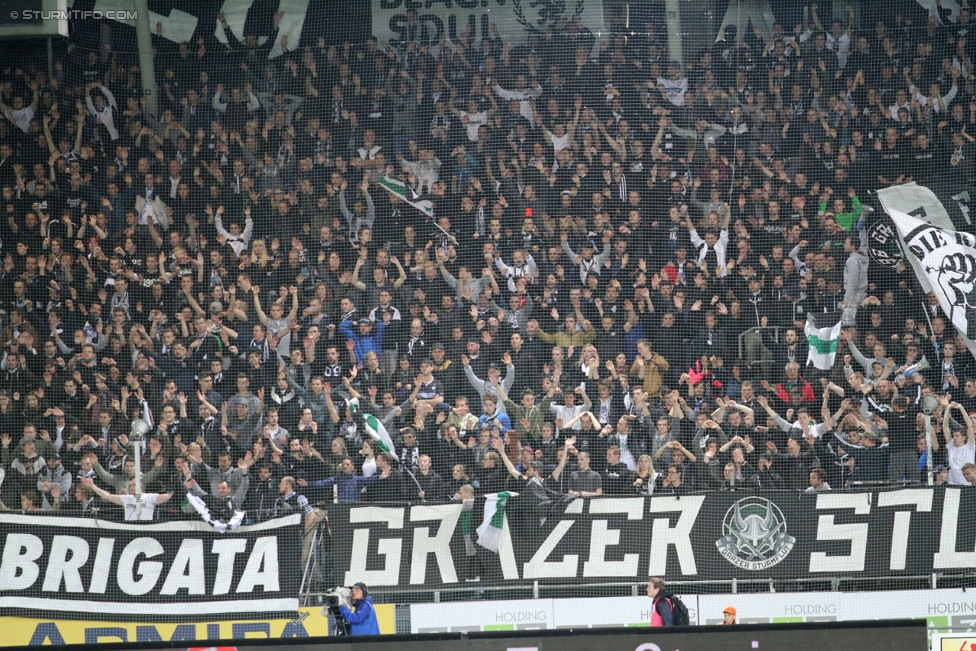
[
  {"x": 330, "y": 607},
  {"x": 332, "y": 600},
  {"x": 336, "y": 597}
]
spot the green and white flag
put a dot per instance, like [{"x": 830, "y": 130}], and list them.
[
  {"x": 490, "y": 531},
  {"x": 378, "y": 433},
  {"x": 405, "y": 192},
  {"x": 822, "y": 331}
]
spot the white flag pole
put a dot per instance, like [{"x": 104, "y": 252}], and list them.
[{"x": 928, "y": 317}]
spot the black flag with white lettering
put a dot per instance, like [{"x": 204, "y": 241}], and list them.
[{"x": 718, "y": 536}]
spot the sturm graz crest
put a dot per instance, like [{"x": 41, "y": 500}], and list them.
[
  {"x": 547, "y": 13},
  {"x": 883, "y": 246},
  {"x": 754, "y": 535}
]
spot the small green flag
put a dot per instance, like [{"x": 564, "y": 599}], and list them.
[{"x": 378, "y": 433}]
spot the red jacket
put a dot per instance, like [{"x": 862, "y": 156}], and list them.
[{"x": 808, "y": 395}]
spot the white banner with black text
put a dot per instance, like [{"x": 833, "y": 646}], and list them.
[{"x": 173, "y": 569}]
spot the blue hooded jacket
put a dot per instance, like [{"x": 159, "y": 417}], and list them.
[
  {"x": 349, "y": 485},
  {"x": 363, "y": 621},
  {"x": 364, "y": 344}
]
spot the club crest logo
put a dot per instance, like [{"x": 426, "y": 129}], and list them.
[
  {"x": 754, "y": 535},
  {"x": 543, "y": 14},
  {"x": 883, "y": 245}
]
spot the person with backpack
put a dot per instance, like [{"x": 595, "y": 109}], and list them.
[{"x": 668, "y": 609}]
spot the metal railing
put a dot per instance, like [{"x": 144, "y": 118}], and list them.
[{"x": 536, "y": 589}]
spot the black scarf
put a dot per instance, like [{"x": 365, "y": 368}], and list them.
[{"x": 262, "y": 347}]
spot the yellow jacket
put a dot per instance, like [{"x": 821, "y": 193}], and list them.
[
  {"x": 653, "y": 373},
  {"x": 565, "y": 339}
]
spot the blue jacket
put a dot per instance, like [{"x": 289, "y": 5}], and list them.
[
  {"x": 349, "y": 486},
  {"x": 363, "y": 621},
  {"x": 500, "y": 415},
  {"x": 372, "y": 342}
]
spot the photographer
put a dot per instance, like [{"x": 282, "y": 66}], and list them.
[{"x": 362, "y": 618}]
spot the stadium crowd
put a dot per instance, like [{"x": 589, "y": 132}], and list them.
[{"x": 607, "y": 293}]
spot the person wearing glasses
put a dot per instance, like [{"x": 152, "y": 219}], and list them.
[{"x": 673, "y": 482}]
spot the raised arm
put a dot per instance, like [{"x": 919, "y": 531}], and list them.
[
  {"x": 101, "y": 492},
  {"x": 333, "y": 412},
  {"x": 449, "y": 278},
  {"x": 825, "y": 411},
  {"x": 685, "y": 451},
  {"x": 401, "y": 273},
  {"x": 499, "y": 446},
  {"x": 946, "y": 418},
  {"x": 780, "y": 421},
  {"x": 861, "y": 359},
  {"x": 567, "y": 446},
  {"x": 586, "y": 399},
  {"x": 262, "y": 317},
  {"x": 572, "y": 421},
  {"x": 970, "y": 429},
  {"x": 747, "y": 412},
  {"x": 293, "y": 314},
  {"x": 356, "y": 282},
  {"x": 568, "y": 251}
]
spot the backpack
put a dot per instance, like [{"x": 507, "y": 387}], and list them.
[{"x": 679, "y": 611}]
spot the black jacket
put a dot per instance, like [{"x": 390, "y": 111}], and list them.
[
  {"x": 767, "y": 480},
  {"x": 618, "y": 480},
  {"x": 261, "y": 496},
  {"x": 390, "y": 489},
  {"x": 432, "y": 485}
]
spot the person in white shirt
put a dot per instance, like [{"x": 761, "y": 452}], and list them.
[
  {"x": 838, "y": 38},
  {"x": 961, "y": 446},
  {"x": 128, "y": 501},
  {"x": 569, "y": 415},
  {"x": 369, "y": 458},
  {"x": 523, "y": 266},
  {"x": 252, "y": 103},
  {"x": 20, "y": 114},
  {"x": 474, "y": 119},
  {"x": 103, "y": 108},
  {"x": 817, "y": 482},
  {"x": 235, "y": 238},
  {"x": 175, "y": 178},
  {"x": 674, "y": 86},
  {"x": 523, "y": 93},
  {"x": 902, "y": 101},
  {"x": 561, "y": 136},
  {"x": 149, "y": 203},
  {"x": 712, "y": 242},
  {"x": 939, "y": 102},
  {"x": 424, "y": 169}
]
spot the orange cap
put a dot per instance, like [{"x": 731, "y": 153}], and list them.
[{"x": 729, "y": 610}]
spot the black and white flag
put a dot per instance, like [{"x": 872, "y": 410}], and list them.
[{"x": 945, "y": 264}]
